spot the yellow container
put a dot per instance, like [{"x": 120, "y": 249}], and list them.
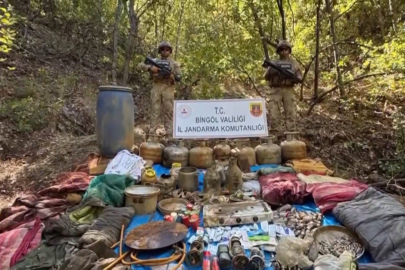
[{"x": 149, "y": 176}]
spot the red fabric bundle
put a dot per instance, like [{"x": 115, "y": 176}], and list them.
[
  {"x": 27, "y": 208},
  {"x": 328, "y": 195},
  {"x": 68, "y": 182},
  {"x": 282, "y": 188}
]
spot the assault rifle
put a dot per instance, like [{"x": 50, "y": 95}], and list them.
[
  {"x": 163, "y": 70},
  {"x": 285, "y": 72}
]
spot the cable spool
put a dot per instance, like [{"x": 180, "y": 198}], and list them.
[
  {"x": 257, "y": 261},
  {"x": 239, "y": 259},
  {"x": 195, "y": 256}
]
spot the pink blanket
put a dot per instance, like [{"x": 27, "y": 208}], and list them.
[
  {"x": 16, "y": 243},
  {"x": 328, "y": 195},
  {"x": 282, "y": 188}
]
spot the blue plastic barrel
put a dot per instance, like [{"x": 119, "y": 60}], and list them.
[{"x": 115, "y": 120}]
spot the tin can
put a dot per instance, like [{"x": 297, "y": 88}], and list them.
[
  {"x": 194, "y": 216},
  {"x": 186, "y": 220},
  {"x": 189, "y": 206},
  {"x": 187, "y": 213},
  {"x": 168, "y": 218},
  {"x": 192, "y": 213}
]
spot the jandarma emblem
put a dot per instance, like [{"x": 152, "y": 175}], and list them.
[{"x": 256, "y": 109}]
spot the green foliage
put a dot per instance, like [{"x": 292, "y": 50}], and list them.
[
  {"x": 7, "y": 33},
  {"x": 26, "y": 114}
]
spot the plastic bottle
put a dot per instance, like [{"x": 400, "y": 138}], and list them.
[
  {"x": 215, "y": 263},
  {"x": 207, "y": 261}
]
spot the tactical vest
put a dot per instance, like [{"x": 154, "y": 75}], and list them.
[
  {"x": 280, "y": 79},
  {"x": 164, "y": 63}
]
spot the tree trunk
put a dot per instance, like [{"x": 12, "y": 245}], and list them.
[
  {"x": 380, "y": 17},
  {"x": 163, "y": 26},
  {"x": 260, "y": 29},
  {"x": 281, "y": 10},
  {"x": 317, "y": 31},
  {"x": 133, "y": 38},
  {"x": 156, "y": 20},
  {"x": 392, "y": 16},
  {"x": 336, "y": 53},
  {"x": 118, "y": 13},
  {"x": 182, "y": 4}
]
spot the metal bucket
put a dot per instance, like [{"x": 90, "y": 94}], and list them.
[
  {"x": 142, "y": 198},
  {"x": 188, "y": 179}
]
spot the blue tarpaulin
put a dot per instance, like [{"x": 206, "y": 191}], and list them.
[{"x": 328, "y": 219}]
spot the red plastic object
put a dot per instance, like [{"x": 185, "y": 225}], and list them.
[
  {"x": 186, "y": 221},
  {"x": 194, "y": 223},
  {"x": 207, "y": 261},
  {"x": 215, "y": 263}
]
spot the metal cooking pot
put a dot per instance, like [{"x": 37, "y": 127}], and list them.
[{"x": 188, "y": 179}]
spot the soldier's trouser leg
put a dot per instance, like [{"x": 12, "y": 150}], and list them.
[
  {"x": 156, "y": 106},
  {"x": 168, "y": 100},
  {"x": 290, "y": 108},
  {"x": 275, "y": 99}
]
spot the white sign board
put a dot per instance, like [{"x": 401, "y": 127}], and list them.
[{"x": 225, "y": 118}]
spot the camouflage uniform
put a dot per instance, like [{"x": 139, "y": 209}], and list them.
[
  {"x": 282, "y": 92},
  {"x": 162, "y": 93}
]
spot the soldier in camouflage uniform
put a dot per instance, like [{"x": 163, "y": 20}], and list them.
[
  {"x": 162, "y": 93},
  {"x": 282, "y": 89}
]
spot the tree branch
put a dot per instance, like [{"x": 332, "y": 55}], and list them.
[
  {"x": 346, "y": 83},
  {"x": 269, "y": 41},
  {"x": 346, "y": 11},
  {"x": 259, "y": 28},
  {"x": 145, "y": 7},
  {"x": 293, "y": 18},
  {"x": 308, "y": 67}
]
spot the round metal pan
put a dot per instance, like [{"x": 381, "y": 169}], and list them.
[{"x": 155, "y": 235}]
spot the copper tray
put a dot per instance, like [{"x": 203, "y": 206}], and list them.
[
  {"x": 154, "y": 235},
  {"x": 168, "y": 206},
  {"x": 329, "y": 233}
]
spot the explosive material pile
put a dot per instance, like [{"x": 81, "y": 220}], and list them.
[
  {"x": 337, "y": 246},
  {"x": 302, "y": 223}
]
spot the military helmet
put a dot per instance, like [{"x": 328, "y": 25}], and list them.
[
  {"x": 283, "y": 44},
  {"x": 164, "y": 44}
]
